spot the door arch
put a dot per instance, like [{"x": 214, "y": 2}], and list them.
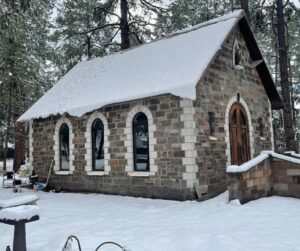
[{"x": 239, "y": 135}]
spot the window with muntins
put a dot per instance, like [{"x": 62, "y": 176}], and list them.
[
  {"x": 97, "y": 145},
  {"x": 140, "y": 142},
  {"x": 64, "y": 147}
]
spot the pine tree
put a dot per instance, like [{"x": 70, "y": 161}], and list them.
[
  {"x": 87, "y": 29},
  {"x": 23, "y": 36}
]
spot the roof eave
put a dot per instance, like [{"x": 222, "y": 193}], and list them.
[{"x": 263, "y": 71}]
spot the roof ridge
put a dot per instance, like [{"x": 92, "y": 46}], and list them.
[{"x": 213, "y": 21}]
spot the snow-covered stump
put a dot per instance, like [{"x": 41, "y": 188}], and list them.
[{"x": 251, "y": 184}]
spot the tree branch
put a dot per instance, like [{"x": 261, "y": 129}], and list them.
[
  {"x": 112, "y": 25},
  {"x": 152, "y": 6}
]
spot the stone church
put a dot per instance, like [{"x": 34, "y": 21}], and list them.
[{"x": 161, "y": 120}]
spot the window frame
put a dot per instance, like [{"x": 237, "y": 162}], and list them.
[
  {"x": 94, "y": 145},
  {"x": 147, "y": 169},
  {"x": 56, "y": 148},
  {"x": 60, "y": 147},
  {"x": 234, "y": 49},
  {"x": 88, "y": 145},
  {"x": 129, "y": 166}
]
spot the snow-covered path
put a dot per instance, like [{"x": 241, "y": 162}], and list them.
[{"x": 144, "y": 224}]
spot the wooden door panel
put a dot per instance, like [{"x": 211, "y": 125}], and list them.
[{"x": 239, "y": 138}]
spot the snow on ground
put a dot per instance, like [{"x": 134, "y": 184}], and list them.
[{"x": 146, "y": 224}]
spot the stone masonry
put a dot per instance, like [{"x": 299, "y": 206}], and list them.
[
  {"x": 219, "y": 88},
  {"x": 184, "y": 157},
  {"x": 270, "y": 177}
]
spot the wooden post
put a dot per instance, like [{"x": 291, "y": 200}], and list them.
[{"x": 19, "y": 237}]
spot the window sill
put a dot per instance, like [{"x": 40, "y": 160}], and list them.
[
  {"x": 238, "y": 67},
  {"x": 97, "y": 173},
  {"x": 63, "y": 172},
  {"x": 141, "y": 174}
]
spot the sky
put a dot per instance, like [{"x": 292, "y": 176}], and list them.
[{"x": 296, "y": 2}]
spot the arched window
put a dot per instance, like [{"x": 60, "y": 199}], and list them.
[
  {"x": 237, "y": 56},
  {"x": 140, "y": 142},
  {"x": 64, "y": 147},
  {"x": 97, "y": 145}
]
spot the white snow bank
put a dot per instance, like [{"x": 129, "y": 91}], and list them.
[
  {"x": 24, "y": 199},
  {"x": 253, "y": 162},
  {"x": 173, "y": 65},
  {"x": 25, "y": 212},
  {"x": 269, "y": 224}
]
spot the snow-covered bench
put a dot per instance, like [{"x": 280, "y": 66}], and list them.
[{"x": 17, "y": 212}]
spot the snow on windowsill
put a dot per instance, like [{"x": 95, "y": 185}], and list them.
[
  {"x": 63, "y": 172},
  {"x": 98, "y": 173},
  {"x": 212, "y": 138},
  {"x": 24, "y": 212},
  {"x": 238, "y": 67},
  {"x": 141, "y": 174},
  {"x": 263, "y": 155}
]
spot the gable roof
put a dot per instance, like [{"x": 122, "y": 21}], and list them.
[{"x": 173, "y": 65}]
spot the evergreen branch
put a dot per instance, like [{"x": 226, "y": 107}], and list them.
[
  {"x": 107, "y": 12},
  {"x": 152, "y": 7},
  {"x": 112, "y": 25}
]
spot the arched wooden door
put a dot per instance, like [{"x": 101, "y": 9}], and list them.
[{"x": 239, "y": 135}]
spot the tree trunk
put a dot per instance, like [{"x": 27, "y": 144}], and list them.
[
  {"x": 245, "y": 7},
  {"x": 284, "y": 79},
  {"x": 124, "y": 26},
  {"x": 8, "y": 125},
  {"x": 19, "y": 156}
]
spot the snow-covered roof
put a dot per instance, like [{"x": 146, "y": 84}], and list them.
[{"x": 173, "y": 65}]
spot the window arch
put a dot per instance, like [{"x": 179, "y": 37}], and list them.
[
  {"x": 237, "y": 99},
  {"x": 97, "y": 155},
  {"x": 135, "y": 118},
  {"x": 140, "y": 133},
  {"x": 237, "y": 56},
  {"x": 97, "y": 145},
  {"x": 64, "y": 148}
]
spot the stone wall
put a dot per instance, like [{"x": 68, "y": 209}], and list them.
[
  {"x": 220, "y": 87},
  {"x": 183, "y": 157},
  {"x": 255, "y": 183},
  {"x": 168, "y": 182},
  {"x": 270, "y": 177},
  {"x": 286, "y": 178}
]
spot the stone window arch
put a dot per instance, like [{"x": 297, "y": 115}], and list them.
[
  {"x": 237, "y": 99},
  {"x": 59, "y": 168},
  {"x": 237, "y": 56},
  {"x": 91, "y": 167},
  {"x": 129, "y": 155}
]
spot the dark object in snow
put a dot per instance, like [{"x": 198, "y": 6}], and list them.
[
  {"x": 7, "y": 248},
  {"x": 71, "y": 238},
  {"x": 33, "y": 178},
  {"x": 110, "y": 243},
  {"x": 8, "y": 179}
]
